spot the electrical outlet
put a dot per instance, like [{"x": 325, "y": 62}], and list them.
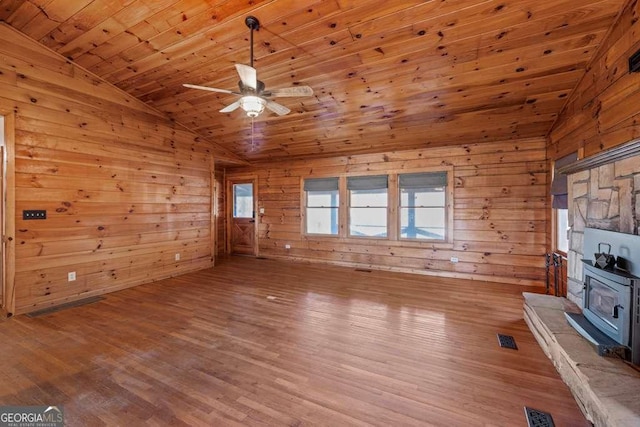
[
  {"x": 287, "y": 246},
  {"x": 454, "y": 259},
  {"x": 261, "y": 211},
  {"x": 177, "y": 257},
  {"x": 71, "y": 276}
]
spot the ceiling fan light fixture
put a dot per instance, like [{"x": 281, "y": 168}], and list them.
[
  {"x": 253, "y": 98},
  {"x": 252, "y": 105}
]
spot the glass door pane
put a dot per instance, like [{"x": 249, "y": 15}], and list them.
[
  {"x": 602, "y": 300},
  {"x": 243, "y": 200}
]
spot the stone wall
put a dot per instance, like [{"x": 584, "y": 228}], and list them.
[{"x": 607, "y": 198}]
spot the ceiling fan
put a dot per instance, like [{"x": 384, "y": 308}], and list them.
[{"x": 253, "y": 96}]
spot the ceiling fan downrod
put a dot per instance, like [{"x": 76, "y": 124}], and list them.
[{"x": 253, "y": 24}]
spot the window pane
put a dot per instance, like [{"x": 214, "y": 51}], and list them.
[
  {"x": 422, "y": 197},
  {"x": 368, "y": 212},
  {"x": 562, "y": 227},
  {"x": 322, "y": 212},
  {"x": 369, "y": 222},
  {"x": 365, "y": 198},
  {"x": 423, "y": 213},
  {"x": 422, "y": 223},
  {"x": 322, "y": 221},
  {"x": 243, "y": 200},
  {"x": 322, "y": 199}
]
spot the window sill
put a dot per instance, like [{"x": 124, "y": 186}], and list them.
[
  {"x": 381, "y": 242},
  {"x": 321, "y": 236}
]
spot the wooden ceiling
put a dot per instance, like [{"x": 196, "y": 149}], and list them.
[{"x": 387, "y": 75}]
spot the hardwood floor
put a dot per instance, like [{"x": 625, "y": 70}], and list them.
[{"x": 335, "y": 347}]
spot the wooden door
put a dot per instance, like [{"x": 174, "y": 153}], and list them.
[{"x": 242, "y": 224}]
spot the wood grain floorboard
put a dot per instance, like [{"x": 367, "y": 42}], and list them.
[{"x": 335, "y": 347}]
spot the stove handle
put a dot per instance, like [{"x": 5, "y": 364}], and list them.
[{"x": 615, "y": 310}]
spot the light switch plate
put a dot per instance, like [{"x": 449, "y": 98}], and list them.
[{"x": 34, "y": 214}]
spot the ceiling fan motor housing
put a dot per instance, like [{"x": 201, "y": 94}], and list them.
[{"x": 249, "y": 90}]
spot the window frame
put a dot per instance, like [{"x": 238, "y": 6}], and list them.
[
  {"x": 336, "y": 208},
  {"x": 559, "y": 187},
  {"x": 234, "y": 204},
  {"x": 556, "y": 231},
  {"x": 349, "y": 207},
  {"x": 393, "y": 210},
  {"x": 304, "y": 207},
  {"x": 445, "y": 207}
]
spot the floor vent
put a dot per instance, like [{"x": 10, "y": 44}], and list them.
[
  {"x": 363, "y": 270},
  {"x": 507, "y": 341},
  {"x": 61, "y": 307},
  {"x": 537, "y": 418}
]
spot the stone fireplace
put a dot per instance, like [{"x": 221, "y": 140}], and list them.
[
  {"x": 610, "y": 317},
  {"x": 607, "y": 198},
  {"x": 603, "y": 194}
]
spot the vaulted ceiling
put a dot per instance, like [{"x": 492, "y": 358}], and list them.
[{"x": 387, "y": 75}]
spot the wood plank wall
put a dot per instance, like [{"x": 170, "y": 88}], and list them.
[
  {"x": 220, "y": 209},
  {"x": 500, "y": 212},
  {"x": 124, "y": 188},
  {"x": 604, "y": 109}
]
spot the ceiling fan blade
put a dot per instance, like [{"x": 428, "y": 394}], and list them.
[
  {"x": 290, "y": 91},
  {"x": 280, "y": 110},
  {"x": 210, "y": 89},
  {"x": 231, "y": 107},
  {"x": 248, "y": 76}
]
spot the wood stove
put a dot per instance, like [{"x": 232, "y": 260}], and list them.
[{"x": 610, "y": 316}]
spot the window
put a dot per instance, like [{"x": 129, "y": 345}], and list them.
[
  {"x": 423, "y": 206},
  {"x": 560, "y": 202},
  {"x": 412, "y": 207},
  {"x": 368, "y": 203},
  {"x": 562, "y": 228},
  {"x": 243, "y": 200},
  {"x": 322, "y": 202}
]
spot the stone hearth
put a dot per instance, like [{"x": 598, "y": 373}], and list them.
[
  {"x": 606, "y": 389},
  {"x": 606, "y": 198}
]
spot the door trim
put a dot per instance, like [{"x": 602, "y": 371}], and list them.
[
  {"x": 238, "y": 179},
  {"x": 8, "y": 223}
]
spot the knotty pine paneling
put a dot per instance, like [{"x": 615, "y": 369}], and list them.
[
  {"x": 414, "y": 73},
  {"x": 220, "y": 210},
  {"x": 125, "y": 189},
  {"x": 499, "y": 207},
  {"x": 604, "y": 110}
]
